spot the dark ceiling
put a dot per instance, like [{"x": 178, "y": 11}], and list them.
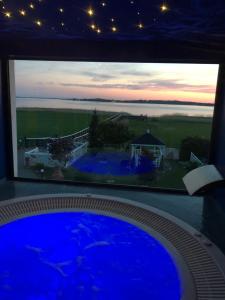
[{"x": 198, "y": 24}]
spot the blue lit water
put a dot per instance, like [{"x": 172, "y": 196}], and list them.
[
  {"x": 114, "y": 163},
  {"x": 76, "y": 255}
]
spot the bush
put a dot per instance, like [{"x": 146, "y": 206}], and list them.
[
  {"x": 199, "y": 146},
  {"x": 113, "y": 133},
  {"x": 38, "y": 166},
  {"x": 146, "y": 178},
  {"x": 60, "y": 149},
  {"x": 192, "y": 165}
]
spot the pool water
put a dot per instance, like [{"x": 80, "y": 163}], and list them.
[
  {"x": 80, "y": 255},
  {"x": 113, "y": 163}
]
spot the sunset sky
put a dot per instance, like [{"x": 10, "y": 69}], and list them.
[{"x": 125, "y": 81}]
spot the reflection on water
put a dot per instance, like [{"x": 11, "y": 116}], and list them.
[{"x": 132, "y": 108}]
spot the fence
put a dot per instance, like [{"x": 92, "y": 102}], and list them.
[
  {"x": 194, "y": 158},
  {"x": 81, "y": 135},
  {"x": 172, "y": 153}
]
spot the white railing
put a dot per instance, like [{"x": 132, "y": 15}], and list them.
[
  {"x": 35, "y": 156},
  {"x": 194, "y": 158},
  {"x": 76, "y": 135},
  {"x": 77, "y": 153}
]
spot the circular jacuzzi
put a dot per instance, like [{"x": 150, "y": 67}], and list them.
[{"x": 96, "y": 247}]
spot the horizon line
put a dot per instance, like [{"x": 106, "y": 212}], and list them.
[{"x": 119, "y": 100}]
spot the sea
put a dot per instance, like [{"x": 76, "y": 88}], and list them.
[{"x": 131, "y": 108}]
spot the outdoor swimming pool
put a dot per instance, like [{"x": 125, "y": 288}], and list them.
[
  {"x": 113, "y": 163},
  {"x": 83, "y": 255}
]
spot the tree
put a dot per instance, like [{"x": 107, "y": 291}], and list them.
[
  {"x": 113, "y": 133},
  {"x": 199, "y": 146},
  {"x": 60, "y": 149},
  {"x": 93, "y": 131}
]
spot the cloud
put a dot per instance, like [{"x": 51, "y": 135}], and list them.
[
  {"x": 46, "y": 83},
  {"x": 105, "y": 86},
  {"x": 176, "y": 85},
  {"x": 144, "y": 85},
  {"x": 138, "y": 73},
  {"x": 97, "y": 77},
  {"x": 119, "y": 71}
]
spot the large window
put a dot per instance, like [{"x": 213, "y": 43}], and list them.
[{"x": 135, "y": 124}]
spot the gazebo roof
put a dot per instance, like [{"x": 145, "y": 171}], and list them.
[{"x": 147, "y": 139}]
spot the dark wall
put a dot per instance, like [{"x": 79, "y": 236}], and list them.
[
  {"x": 214, "y": 202},
  {"x": 142, "y": 51},
  {"x": 218, "y": 132},
  {"x": 2, "y": 143}
]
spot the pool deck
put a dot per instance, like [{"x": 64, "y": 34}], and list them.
[
  {"x": 188, "y": 209},
  {"x": 191, "y": 210}
]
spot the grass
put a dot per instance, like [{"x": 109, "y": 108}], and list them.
[
  {"x": 172, "y": 178},
  {"x": 44, "y": 122},
  {"x": 170, "y": 129},
  {"x": 173, "y": 129}
]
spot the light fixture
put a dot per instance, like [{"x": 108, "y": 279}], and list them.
[
  {"x": 164, "y": 7},
  {"x": 8, "y": 14},
  {"x": 38, "y": 23},
  {"x": 90, "y": 12},
  {"x": 22, "y": 12}
]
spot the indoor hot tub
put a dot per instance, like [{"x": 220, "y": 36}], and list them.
[{"x": 97, "y": 247}]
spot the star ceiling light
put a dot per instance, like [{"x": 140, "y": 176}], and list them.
[
  {"x": 8, "y": 14},
  {"x": 38, "y": 23},
  {"x": 164, "y": 7},
  {"x": 22, "y": 12},
  {"x": 140, "y": 26},
  {"x": 114, "y": 29},
  {"x": 90, "y": 12}
]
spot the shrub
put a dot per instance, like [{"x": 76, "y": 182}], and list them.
[{"x": 199, "y": 146}]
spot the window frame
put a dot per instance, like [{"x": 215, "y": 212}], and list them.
[{"x": 8, "y": 80}]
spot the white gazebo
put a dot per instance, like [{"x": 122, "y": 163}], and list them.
[{"x": 151, "y": 143}]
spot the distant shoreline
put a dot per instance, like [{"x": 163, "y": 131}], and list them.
[
  {"x": 170, "y": 102},
  {"x": 68, "y": 110}
]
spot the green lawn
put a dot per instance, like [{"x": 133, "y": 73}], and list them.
[
  {"x": 171, "y": 179},
  {"x": 44, "y": 122},
  {"x": 172, "y": 130}
]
